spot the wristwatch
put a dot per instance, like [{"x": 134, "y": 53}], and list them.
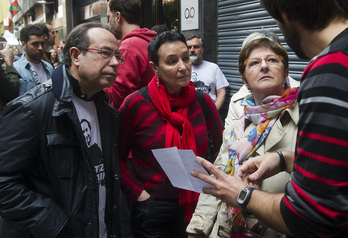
[{"x": 244, "y": 197}]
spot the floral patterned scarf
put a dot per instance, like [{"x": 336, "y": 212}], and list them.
[{"x": 241, "y": 149}]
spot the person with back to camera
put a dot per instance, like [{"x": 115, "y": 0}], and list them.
[
  {"x": 235, "y": 110},
  {"x": 160, "y": 28},
  {"x": 315, "y": 200},
  {"x": 165, "y": 114},
  {"x": 269, "y": 123},
  {"x": 135, "y": 72}
]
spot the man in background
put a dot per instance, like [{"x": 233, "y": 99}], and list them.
[
  {"x": 31, "y": 67},
  {"x": 160, "y": 28},
  {"x": 206, "y": 76},
  {"x": 135, "y": 71},
  {"x": 17, "y": 54},
  {"x": 50, "y": 38}
]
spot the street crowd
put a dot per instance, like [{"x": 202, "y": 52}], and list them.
[{"x": 77, "y": 134}]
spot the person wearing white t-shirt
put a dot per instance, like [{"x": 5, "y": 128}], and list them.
[
  {"x": 59, "y": 168},
  {"x": 206, "y": 76}
]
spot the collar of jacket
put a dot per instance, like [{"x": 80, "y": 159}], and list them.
[
  {"x": 279, "y": 128},
  {"x": 62, "y": 90},
  {"x": 61, "y": 84},
  {"x": 76, "y": 87},
  {"x": 64, "y": 85},
  {"x": 25, "y": 62}
]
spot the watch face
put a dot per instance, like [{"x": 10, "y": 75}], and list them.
[{"x": 242, "y": 195}]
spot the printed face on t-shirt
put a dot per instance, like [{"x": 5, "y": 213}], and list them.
[{"x": 86, "y": 130}]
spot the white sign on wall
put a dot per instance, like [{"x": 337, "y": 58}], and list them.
[{"x": 189, "y": 14}]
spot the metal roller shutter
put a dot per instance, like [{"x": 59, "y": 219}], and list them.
[{"x": 236, "y": 20}]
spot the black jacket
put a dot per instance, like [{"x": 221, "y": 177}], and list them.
[
  {"x": 47, "y": 182},
  {"x": 9, "y": 85}
]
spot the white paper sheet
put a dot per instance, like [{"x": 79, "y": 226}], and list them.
[{"x": 178, "y": 164}]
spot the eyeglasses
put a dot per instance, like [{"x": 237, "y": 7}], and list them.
[
  {"x": 271, "y": 61},
  {"x": 108, "y": 54}
]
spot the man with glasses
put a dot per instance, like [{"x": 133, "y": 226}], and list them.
[
  {"x": 59, "y": 174},
  {"x": 108, "y": 54},
  {"x": 206, "y": 76},
  {"x": 135, "y": 72}
]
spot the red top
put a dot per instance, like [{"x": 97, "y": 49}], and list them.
[
  {"x": 135, "y": 72},
  {"x": 142, "y": 129}
]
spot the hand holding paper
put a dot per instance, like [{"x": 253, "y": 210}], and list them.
[{"x": 178, "y": 164}]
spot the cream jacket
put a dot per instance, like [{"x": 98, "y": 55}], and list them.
[{"x": 210, "y": 217}]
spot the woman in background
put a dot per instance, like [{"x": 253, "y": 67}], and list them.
[{"x": 54, "y": 58}]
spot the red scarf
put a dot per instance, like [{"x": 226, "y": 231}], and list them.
[{"x": 163, "y": 102}]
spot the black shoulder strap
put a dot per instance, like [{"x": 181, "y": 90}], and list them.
[
  {"x": 202, "y": 102},
  {"x": 144, "y": 91},
  {"x": 212, "y": 150}
]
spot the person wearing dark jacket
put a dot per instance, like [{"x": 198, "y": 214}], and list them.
[
  {"x": 135, "y": 72},
  {"x": 9, "y": 77},
  {"x": 59, "y": 173}
]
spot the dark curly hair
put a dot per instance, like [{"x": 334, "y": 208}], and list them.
[
  {"x": 30, "y": 30},
  {"x": 312, "y": 14},
  {"x": 129, "y": 9}
]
